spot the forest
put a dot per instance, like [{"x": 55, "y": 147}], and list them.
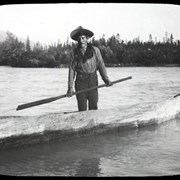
[{"x": 115, "y": 52}]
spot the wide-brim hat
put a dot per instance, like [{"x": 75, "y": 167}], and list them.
[{"x": 79, "y": 32}]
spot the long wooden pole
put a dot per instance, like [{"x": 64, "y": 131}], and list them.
[{"x": 48, "y": 100}]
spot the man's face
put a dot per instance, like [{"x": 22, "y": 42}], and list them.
[{"x": 82, "y": 41}]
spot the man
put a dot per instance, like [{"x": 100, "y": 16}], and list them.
[{"x": 84, "y": 62}]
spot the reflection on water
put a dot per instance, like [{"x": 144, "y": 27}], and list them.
[{"x": 150, "y": 151}]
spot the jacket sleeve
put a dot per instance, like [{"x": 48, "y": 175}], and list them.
[
  {"x": 101, "y": 66},
  {"x": 71, "y": 73}
]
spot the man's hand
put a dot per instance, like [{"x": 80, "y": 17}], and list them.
[
  {"x": 108, "y": 82},
  {"x": 70, "y": 92}
]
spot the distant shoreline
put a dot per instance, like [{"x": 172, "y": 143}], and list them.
[
  {"x": 107, "y": 65},
  {"x": 128, "y": 65}
]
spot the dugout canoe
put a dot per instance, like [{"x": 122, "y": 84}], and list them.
[{"x": 16, "y": 131}]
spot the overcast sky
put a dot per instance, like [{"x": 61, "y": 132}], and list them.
[{"x": 47, "y": 23}]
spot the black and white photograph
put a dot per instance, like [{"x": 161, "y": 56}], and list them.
[{"x": 90, "y": 89}]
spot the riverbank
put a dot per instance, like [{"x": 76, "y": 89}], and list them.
[
  {"x": 127, "y": 65},
  {"x": 138, "y": 65},
  {"x": 107, "y": 65}
]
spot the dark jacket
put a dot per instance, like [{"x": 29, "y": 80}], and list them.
[{"x": 90, "y": 62}]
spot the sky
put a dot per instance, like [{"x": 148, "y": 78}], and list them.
[{"x": 50, "y": 23}]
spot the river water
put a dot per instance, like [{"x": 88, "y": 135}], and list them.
[{"x": 149, "y": 151}]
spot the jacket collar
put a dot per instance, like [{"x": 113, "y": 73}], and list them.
[{"x": 87, "y": 55}]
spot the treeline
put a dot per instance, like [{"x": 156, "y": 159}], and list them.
[{"x": 115, "y": 52}]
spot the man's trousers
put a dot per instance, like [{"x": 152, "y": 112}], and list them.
[{"x": 85, "y": 81}]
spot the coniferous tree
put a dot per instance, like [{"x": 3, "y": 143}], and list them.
[{"x": 28, "y": 46}]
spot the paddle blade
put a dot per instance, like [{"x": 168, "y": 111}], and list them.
[{"x": 36, "y": 103}]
